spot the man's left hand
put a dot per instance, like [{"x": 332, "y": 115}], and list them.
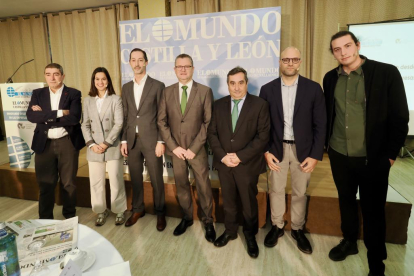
[
  {"x": 189, "y": 154},
  {"x": 36, "y": 108},
  {"x": 308, "y": 165},
  {"x": 234, "y": 158},
  {"x": 159, "y": 149}
]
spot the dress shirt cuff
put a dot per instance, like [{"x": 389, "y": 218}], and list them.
[
  {"x": 124, "y": 142},
  {"x": 91, "y": 145},
  {"x": 162, "y": 142},
  {"x": 59, "y": 113}
]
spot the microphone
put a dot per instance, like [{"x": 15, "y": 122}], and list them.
[{"x": 9, "y": 80}]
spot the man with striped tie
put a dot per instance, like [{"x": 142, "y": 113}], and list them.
[
  {"x": 238, "y": 135},
  {"x": 184, "y": 114}
]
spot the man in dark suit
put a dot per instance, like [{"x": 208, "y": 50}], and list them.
[
  {"x": 141, "y": 138},
  {"x": 297, "y": 111},
  {"x": 368, "y": 116},
  {"x": 57, "y": 139},
  {"x": 183, "y": 117},
  {"x": 238, "y": 135}
]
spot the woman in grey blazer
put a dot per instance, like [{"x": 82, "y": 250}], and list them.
[{"x": 101, "y": 127}]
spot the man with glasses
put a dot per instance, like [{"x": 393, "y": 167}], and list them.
[
  {"x": 367, "y": 126},
  {"x": 183, "y": 117},
  {"x": 297, "y": 133}
]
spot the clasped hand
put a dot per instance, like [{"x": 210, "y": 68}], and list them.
[
  {"x": 101, "y": 148},
  {"x": 231, "y": 160},
  {"x": 184, "y": 154}
]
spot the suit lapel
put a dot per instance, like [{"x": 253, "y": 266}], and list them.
[
  {"x": 191, "y": 98},
  {"x": 132, "y": 96},
  {"x": 299, "y": 96},
  {"x": 243, "y": 113},
  {"x": 176, "y": 94},
  {"x": 145, "y": 92},
  {"x": 46, "y": 100},
  {"x": 63, "y": 98},
  {"x": 278, "y": 96},
  {"x": 106, "y": 103}
]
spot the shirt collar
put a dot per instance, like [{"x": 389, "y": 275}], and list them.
[
  {"x": 242, "y": 99},
  {"x": 58, "y": 92},
  {"x": 143, "y": 80},
  {"x": 341, "y": 71},
  {"x": 189, "y": 84},
  {"x": 106, "y": 95},
  {"x": 294, "y": 83}
]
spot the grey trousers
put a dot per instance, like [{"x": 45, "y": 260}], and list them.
[{"x": 277, "y": 186}]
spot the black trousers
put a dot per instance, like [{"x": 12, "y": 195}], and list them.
[
  {"x": 59, "y": 160},
  {"x": 136, "y": 166},
  {"x": 351, "y": 173},
  {"x": 235, "y": 185}
]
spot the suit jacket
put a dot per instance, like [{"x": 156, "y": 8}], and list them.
[
  {"x": 46, "y": 119},
  {"x": 188, "y": 130},
  {"x": 104, "y": 127},
  {"x": 145, "y": 116},
  {"x": 386, "y": 108},
  {"x": 250, "y": 136},
  {"x": 309, "y": 118}
]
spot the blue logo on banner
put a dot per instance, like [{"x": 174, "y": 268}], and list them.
[
  {"x": 11, "y": 92},
  {"x": 19, "y": 152}
]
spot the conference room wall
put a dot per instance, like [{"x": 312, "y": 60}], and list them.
[{"x": 309, "y": 24}]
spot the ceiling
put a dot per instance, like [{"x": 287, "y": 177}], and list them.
[{"x": 11, "y": 8}]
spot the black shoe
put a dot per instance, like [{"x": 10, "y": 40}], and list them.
[
  {"x": 224, "y": 239},
  {"x": 274, "y": 234},
  {"x": 302, "y": 241},
  {"x": 180, "y": 229},
  {"x": 343, "y": 250},
  {"x": 210, "y": 232},
  {"x": 252, "y": 248},
  {"x": 372, "y": 274}
]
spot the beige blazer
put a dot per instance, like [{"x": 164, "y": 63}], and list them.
[
  {"x": 188, "y": 130},
  {"x": 104, "y": 127}
]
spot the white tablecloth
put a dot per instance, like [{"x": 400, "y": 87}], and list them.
[{"x": 106, "y": 253}]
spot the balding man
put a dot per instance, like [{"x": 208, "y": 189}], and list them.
[{"x": 297, "y": 133}]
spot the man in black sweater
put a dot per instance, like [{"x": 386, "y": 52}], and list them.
[{"x": 367, "y": 117}]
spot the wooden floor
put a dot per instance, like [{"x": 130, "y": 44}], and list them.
[{"x": 160, "y": 253}]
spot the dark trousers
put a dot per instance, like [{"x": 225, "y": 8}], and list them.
[
  {"x": 351, "y": 173},
  {"x": 234, "y": 186},
  {"x": 58, "y": 160},
  {"x": 200, "y": 168},
  {"x": 136, "y": 158}
]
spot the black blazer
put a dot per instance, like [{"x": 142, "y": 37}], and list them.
[
  {"x": 386, "y": 108},
  {"x": 46, "y": 119},
  {"x": 250, "y": 136},
  {"x": 309, "y": 118}
]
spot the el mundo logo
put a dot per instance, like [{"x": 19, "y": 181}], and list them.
[
  {"x": 11, "y": 92},
  {"x": 162, "y": 30}
]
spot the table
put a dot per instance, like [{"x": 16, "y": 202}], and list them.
[{"x": 106, "y": 254}]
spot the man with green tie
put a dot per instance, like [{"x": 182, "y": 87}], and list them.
[
  {"x": 184, "y": 114},
  {"x": 238, "y": 135}
]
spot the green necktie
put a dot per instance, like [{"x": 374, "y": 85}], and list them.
[
  {"x": 184, "y": 99},
  {"x": 235, "y": 113}
]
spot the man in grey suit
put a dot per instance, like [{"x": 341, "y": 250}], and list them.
[
  {"x": 183, "y": 118},
  {"x": 141, "y": 138}
]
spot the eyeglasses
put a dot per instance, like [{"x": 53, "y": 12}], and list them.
[
  {"x": 287, "y": 60},
  {"x": 185, "y": 67}
]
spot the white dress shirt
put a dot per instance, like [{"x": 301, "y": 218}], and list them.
[
  {"x": 58, "y": 132},
  {"x": 189, "y": 86},
  {"x": 288, "y": 100}
]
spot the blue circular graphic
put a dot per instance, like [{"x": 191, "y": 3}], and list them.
[{"x": 11, "y": 92}]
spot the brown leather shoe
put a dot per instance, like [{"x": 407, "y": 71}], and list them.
[
  {"x": 134, "y": 218},
  {"x": 161, "y": 223}
]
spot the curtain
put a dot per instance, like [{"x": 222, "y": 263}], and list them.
[{"x": 83, "y": 40}]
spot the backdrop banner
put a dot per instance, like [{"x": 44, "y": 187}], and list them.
[
  {"x": 19, "y": 131},
  {"x": 217, "y": 42}
]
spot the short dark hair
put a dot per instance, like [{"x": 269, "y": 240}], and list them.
[
  {"x": 93, "y": 92},
  {"x": 56, "y": 66},
  {"x": 341, "y": 34},
  {"x": 138, "y": 50},
  {"x": 237, "y": 70},
  {"x": 184, "y": 56}
]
